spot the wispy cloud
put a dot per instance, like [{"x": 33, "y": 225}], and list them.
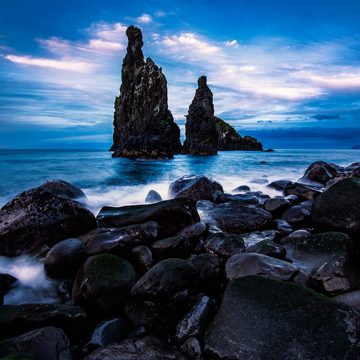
[{"x": 144, "y": 19}]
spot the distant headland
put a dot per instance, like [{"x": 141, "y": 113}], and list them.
[{"x": 143, "y": 124}]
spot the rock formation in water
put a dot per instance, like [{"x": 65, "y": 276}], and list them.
[
  {"x": 201, "y": 134},
  {"x": 230, "y": 139},
  {"x": 143, "y": 125}
]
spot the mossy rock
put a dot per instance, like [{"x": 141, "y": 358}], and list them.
[{"x": 103, "y": 283}]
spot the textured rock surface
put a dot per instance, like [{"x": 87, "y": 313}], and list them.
[
  {"x": 201, "y": 134},
  {"x": 267, "y": 319},
  {"x": 143, "y": 125},
  {"x": 230, "y": 139}
]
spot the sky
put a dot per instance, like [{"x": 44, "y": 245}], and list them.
[{"x": 285, "y": 71}]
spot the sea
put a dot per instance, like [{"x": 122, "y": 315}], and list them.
[{"x": 118, "y": 182}]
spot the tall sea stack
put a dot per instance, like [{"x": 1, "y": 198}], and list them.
[
  {"x": 201, "y": 134},
  {"x": 143, "y": 125}
]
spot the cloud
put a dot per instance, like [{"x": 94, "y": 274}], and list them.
[
  {"x": 61, "y": 64},
  {"x": 233, "y": 43},
  {"x": 160, "y": 13},
  {"x": 144, "y": 19}
]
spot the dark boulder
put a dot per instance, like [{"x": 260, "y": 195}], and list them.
[
  {"x": 39, "y": 217},
  {"x": 103, "y": 284},
  {"x": 119, "y": 240},
  {"x": 326, "y": 258},
  {"x": 143, "y": 257},
  {"x": 338, "y": 208},
  {"x": 171, "y": 215},
  {"x": 269, "y": 248},
  {"x": 240, "y": 198},
  {"x": 147, "y": 348},
  {"x": 6, "y": 281},
  {"x": 277, "y": 205},
  {"x": 267, "y": 319},
  {"x": 195, "y": 188},
  {"x": 65, "y": 190},
  {"x": 279, "y": 185},
  {"x": 64, "y": 258},
  {"x": 224, "y": 245},
  {"x": 162, "y": 296},
  {"x": 319, "y": 172},
  {"x": 237, "y": 218},
  {"x": 297, "y": 216},
  {"x": 282, "y": 227},
  {"x": 242, "y": 265},
  {"x": 241, "y": 188},
  {"x": 200, "y": 127},
  {"x": 48, "y": 343},
  {"x": 153, "y": 197},
  {"x": 143, "y": 125},
  {"x": 254, "y": 237},
  {"x": 230, "y": 139},
  {"x": 304, "y": 192},
  {"x": 191, "y": 348},
  {"x": 17, "y": 319}
]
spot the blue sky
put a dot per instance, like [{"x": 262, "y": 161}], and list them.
[{"x": 285, "y": 71}]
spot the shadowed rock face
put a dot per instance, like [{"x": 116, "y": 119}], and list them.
[
  {"x": 230, "y": 139},
  {"x": 143, "y": 125},
  {"x": 201, "y": 134}
]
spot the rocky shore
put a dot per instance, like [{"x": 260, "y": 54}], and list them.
[{"x": 203, "y": 275}]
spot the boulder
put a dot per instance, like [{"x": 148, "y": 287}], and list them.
[
  {"x": 64, "y": 258},
  {"x": 319, "y": 172},
  {"x": 119, "y": 240},
  {"x": 48, "y": 343},
  {"x": 252, "y": 238},
  {"x": 297, "y": 216},
  {"x": 153, "y": 197},
  {"x": 338, "y": 208},
  {"x": 241, "y": 188},
  {"x": 171, "y": 215},
  {"x": 326, "y": 258},
  {"x": 240, "y": 198},
  {"x": 238, "y": 218},
  {"x": 282, "y": 227},
  {"x": 263, "y": 318},
  {"x": 103, "y": 284},
  {"x": 65, "y": 190},
  {"x": 191, "y": 348},
  {"x": 143, "y": 257},
  {"x": 242, "y": 265},
  {"x": 304, "y": 192},
  {"x": 143, "y": 125},
  {"x": 39, "y": 217},
  {"x": 6, "y": 281},
  {"x": 279, "y": 185},
  {"x": 195, "y": 188},
  {"x": 17, "y": 319},
  {"x": 147, "y": 348},
  {"x": 351, "y": 298},
  {"x": 224, "y": 245},
  {"x": 162, "y": 296},
  {"x": 200, "y": 127},
  {"x": 269, "y": 248},
  {"x": 277, "y": 205}
]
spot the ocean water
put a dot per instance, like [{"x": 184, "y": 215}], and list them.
[{"x": 117, "y": 181}]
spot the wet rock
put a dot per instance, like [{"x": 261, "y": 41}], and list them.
[
  {"x": 260, "y": 181},
  {"x": 237, "y": 218},
  {"x": 39, "y": 217},
  {"x": 162, "y": 296},
  {"x": 17, "y": 319},
  {"x": 64, "y": 258},
  {"x": 147, "y": 348},
  {"x": 48, "y": 343},
  {"x": 204, "y": 205},
  {"x": 230, "y": 139},
  {"x": 319, "y": 172},
  {"x": 297, "y": 216},
  {"x": 118, "y": 240},
  {"x": 171, "y": 215},
  {"x": 6, "y": 281},
  {"x": 200, "y": 127},
  {"x": 338, "y": 208},
  {"x": 153, "y": 197},
  {"x": 65, "y": 190},
  {"x": 108, "y": 332},
  {"x": 195, "y": 321},
  {"x": 241, "y": 188},
  {"x": 264, "y": 318},
  {"x": 143, "y": 257},
  {"x": 195, "y": 188},
  {"x": 277, "y": 205},
  {"x": 192, "y": 349},
  {"x": 326, "y": 258},
  {"x": 351, "y": 298},
  {"x": 294, "y": 199},
  {"x": 261, "y": 197},
  {"x": 241, "y": 198},
  {"x": 279, "y": 185},
  {"x": 307, "y": 205},
  {"x": 295, "y": 235},
  {"x": 224, "y": 245},
  {"x": 143, "y": 125},
  {"x": 180, "y": 245},
  {"x": 255, "y": 237},
  {"x": 269, "y": 248},
  {"x": 282, "y": 227},
  {"x": 209, "y": 271},
  {"x": 103, "y": 284},
  {"x": 304, "y": 192},
  {"x": 247, "y": 264}
]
